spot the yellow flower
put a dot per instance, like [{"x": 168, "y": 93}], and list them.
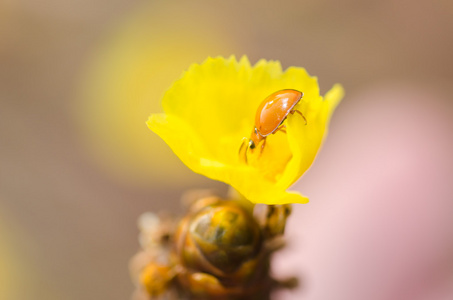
[{"x": 212, "y": 108}]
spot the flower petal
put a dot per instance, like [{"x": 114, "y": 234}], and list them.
[{"x": 306, "y": 139}]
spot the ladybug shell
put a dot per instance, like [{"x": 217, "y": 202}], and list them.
[{"x": 274, "y": 110}]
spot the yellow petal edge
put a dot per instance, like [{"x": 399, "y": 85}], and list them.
[{"x": 212, "y": 107}]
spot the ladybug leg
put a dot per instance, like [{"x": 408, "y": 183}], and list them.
[
  {"x": 298, "y": 111},
  {"x": 262, "y": 146},
  {"x": 261, "y": 149},
  {"x": 243, "y": 150},
  {"x": 248, "y": 147},
  {"x": 282, "y": 128}
]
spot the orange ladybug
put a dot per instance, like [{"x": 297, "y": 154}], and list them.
[{"x": 269, "y": 118}]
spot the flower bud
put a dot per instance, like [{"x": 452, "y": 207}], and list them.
[
  {"x": 221, "y": 247},
  {"x": 218, "y": 238}
]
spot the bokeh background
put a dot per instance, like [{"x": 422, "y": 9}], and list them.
[{"x": 78, "y": 80}]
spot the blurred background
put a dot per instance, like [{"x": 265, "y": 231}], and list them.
[{"x": 78, "y": 165}]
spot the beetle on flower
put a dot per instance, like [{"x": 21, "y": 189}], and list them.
[
  {"x": 269, "y": 119},
  {"x": 212, "y": 108}
]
